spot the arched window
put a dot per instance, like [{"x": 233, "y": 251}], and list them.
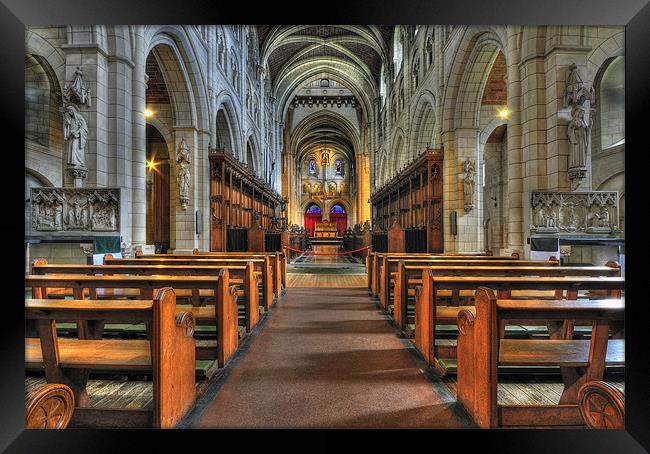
[
  {"x": 221, "y": 50},
  {"x": 382, "y": 84},
  {"x": 312, "y": 167},
  {"x": 338, "y": 166},
  {"x": 337, "y": 209},
  {"x": 429, "y": 50},
  {"x": 416, "y": 73},
  {"x": 397, "y": 52},
  {"x": 314, "y": 209},
  {"x": 610, "y": 109}
]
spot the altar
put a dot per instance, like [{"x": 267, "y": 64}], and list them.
[{"x": 325, "y": 229}]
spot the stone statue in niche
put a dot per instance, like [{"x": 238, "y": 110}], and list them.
[
  {"x": 344, "y": 188},
  {"x": 306, "y": 188},
  {"x": 332, "y": 187},
  {"x": 183, "y": 161},
  {"x": 578, "y": 97},
  {"x": 76, "y": 90},
  {"x": 75, "y": 133},
  {"x": 468, "y": 184},
  {"x": 325, "y": 158},
  {"x": 316, "y": 188},
  {"x": 579, "y": 132}
]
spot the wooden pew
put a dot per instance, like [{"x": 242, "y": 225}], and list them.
[
  {"x": 389, "y": 268},
  {"x": 262, "y": 265},
  {"x": 428, "y": 313},
  {"x": 481, "y": 350},
  {"x": 278, "y": 261},
  {"x": 244, "y": 276},
  {"x": 225, "y": 305},
  {"x": 168, "y": 356},
  {"x": 408, "y": 277},
  {"x": 374, "y": 261}
]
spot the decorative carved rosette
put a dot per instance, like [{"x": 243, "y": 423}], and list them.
[
  {"x": 186, "y": 320},
  {"x": 49, "y": 407},
  {"x": 465, "y": 321},
  {"x": 602, "y": 405}
]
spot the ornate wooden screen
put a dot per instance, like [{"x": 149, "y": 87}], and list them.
[
  {"x": 413, "y": 200},
  {"x": 239, "y": 199}
]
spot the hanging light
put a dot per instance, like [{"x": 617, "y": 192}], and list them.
[
  {"x": 148, "y": 113},
  {"x": 504, "y": 113}
]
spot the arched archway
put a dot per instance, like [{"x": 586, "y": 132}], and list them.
[
  {"x": 158, "y": 190},
  {"x": 250, "y": 155},
  {"x": 313, "y": 214},
  {"x": 43, "y": 120}
]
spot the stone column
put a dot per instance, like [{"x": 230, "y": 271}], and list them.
[
  {"x": 137, "y": 199},
  {"x": 120, "y": 113},
  {"x": 470, "y": 231},
  {"x": 514, "y": 226},
  {"x": 183, "y": 238}
]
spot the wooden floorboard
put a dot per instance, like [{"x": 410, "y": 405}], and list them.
[
  {"x": 295, "y": 280},
  {"x": 526, "y": 389}
]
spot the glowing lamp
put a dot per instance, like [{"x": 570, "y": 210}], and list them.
[
  {"x": 504, "y": 113},
  {"x": 148, "y": 113}
]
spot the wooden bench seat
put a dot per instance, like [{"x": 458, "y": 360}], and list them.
[
  {"x": 271, "y": 265},
  {"x": 191, "y": 265},
  {"x": 482, "y": 350},
  {"x": 427, "y": 301},
  {"x": 104, "y": 354},
  {"x": 406, "y": 278},
  {"x": 376, "y": 260},
  {"x": 565, "y": 353},
  {"x": 244, "y": 277},
  {"x": 389, "y": 265},
  {"x": 168, "y": 356},
  {"x": 226, "y": 304}
]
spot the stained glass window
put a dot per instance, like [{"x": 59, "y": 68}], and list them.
[
  {"x": 312, "y": 167},
  {"x": 337, "y": 209},
  {"x": 339, "y": 167},
  {"x": 314, "y": 209}
]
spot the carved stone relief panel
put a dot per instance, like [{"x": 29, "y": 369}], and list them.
[
  {"x": 75, "y": 209},
  {"x": 574, "y": 212}
]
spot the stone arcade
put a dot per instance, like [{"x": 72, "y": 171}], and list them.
[{"x": 190, "y": 190}]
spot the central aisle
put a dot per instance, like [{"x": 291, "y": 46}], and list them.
[{"x": 328, "y": 358}]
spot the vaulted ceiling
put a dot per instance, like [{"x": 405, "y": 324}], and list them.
[{"x": 351, "y": 54}]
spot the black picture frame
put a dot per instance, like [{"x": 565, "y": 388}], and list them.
[{"x": 634, "y": 14}]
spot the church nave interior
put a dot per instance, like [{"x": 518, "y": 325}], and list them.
[{"x": 325, "y": 226}]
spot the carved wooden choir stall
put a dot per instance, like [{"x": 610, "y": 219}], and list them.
[
  {"x": 244, "y": 209},
  {"x": 407, "y": 210}
]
